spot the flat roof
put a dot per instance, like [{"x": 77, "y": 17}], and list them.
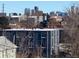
[{"x": 37, "y": 29}]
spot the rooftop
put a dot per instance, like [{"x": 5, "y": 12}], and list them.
[
  {"x": 35, "y": 29},
  {"x": 6, "y": 44}
]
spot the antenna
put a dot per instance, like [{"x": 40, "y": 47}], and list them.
[{"x": 3, "y": 8}]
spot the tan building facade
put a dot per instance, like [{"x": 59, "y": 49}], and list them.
[{"x": 7, "y": 48}]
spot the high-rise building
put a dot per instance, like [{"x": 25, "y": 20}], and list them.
[
  {"x": 36, "y": 9},
  {"x": 32, "y": 12},
  {"x": 27, "y": 11}
]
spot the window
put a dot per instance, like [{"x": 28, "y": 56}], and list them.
[
  {"x": 43, "y": 34},
  {"x": 43, "y": 42}
]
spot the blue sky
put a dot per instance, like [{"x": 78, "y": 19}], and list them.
[{"x": 46, "y": 6}]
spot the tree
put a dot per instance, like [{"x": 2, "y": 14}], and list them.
[
  {"x": 54, "y": 24},
  {"x": 71, "y": 29},
  {"x": 43, "y": 24},
  {"x": 4, "y": 22}
]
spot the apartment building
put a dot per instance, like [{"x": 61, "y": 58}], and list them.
[
  {"x": 14, "y": 18},
  {"x": 47, "y": 39}
]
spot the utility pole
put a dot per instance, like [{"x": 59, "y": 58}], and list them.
[{"x": 3, "y": 9}]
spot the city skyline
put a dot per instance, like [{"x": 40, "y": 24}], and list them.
[{"x": 46, "y": 6}]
